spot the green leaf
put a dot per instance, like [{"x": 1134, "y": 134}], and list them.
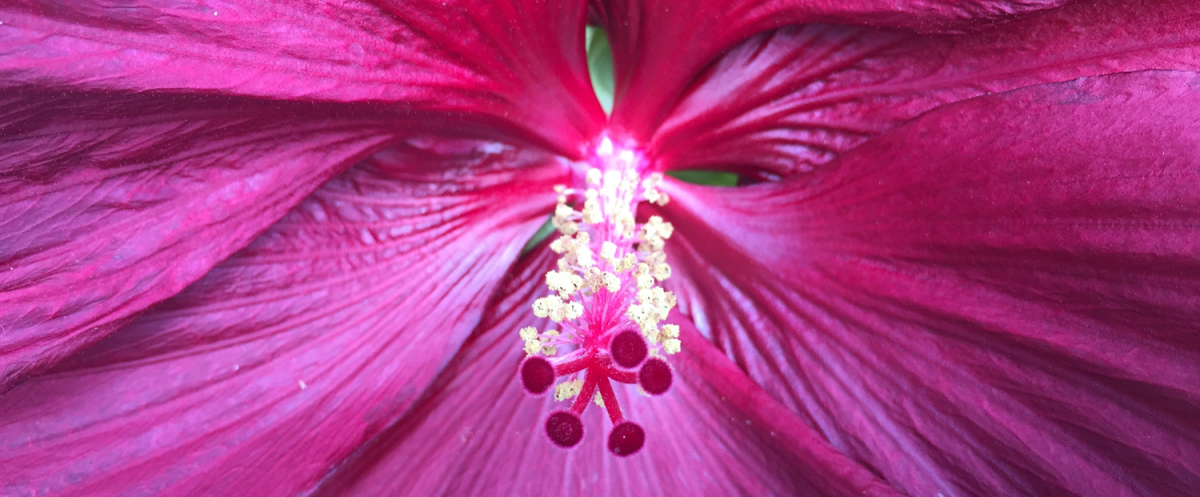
[
  {"x": 707, "y": 178},
  {"x": 541, "y": 234},
  {"x": 600, "y": 66}
]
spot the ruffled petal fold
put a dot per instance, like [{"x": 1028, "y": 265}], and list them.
[
  {"x": 781, "y": 83},
  {"x": 792, "y": 99},
  {"x": 714, "y": 433},
  {"x": 1001, "y": 297},
  {"x": 520, "y": 65},
  {"x": 285, "y": 358},
  {"x": 111, "y": 203}
]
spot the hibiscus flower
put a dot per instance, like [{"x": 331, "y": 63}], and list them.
[{"x": 275, "y": 248}]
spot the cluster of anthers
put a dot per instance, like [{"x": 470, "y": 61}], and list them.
[{"x": 605, "y": 300}]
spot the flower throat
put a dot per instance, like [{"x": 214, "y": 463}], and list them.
[{"x": 606, "y": 302}]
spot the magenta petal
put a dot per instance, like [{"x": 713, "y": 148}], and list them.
[
  {"x": 790, "y": 100},
  {"x": 1002, "y": 297},
  {"x": 518, "y": 63},
  {"x": 289, "y": 355},
  {"x": 109, "y": 204},
  {"x": 660, "y": 45},
  {"x": 714, "y": 433}
]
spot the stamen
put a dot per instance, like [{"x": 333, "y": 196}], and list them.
[{"x": 604, "y": 294}]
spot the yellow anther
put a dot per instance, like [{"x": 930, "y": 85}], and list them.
[
  {"x": 572, "y": 310},
  {"x": 655, "y": 231},
  {"x": 670, "y": 330},
  {"x": 567, "y": 389},
  {"x": 591, "y": 212},
  {"x": 627, "y": 263},
  {"x": 598, "y": 399},
  {"x": 552, "y": 307},
  {"x": 651, "y": 333},
  {"x": 583, "y": 256},
  {"x": 649, "y": 326},
  {"x": 612, "y": 282},
  {"x": 625, "y": 221},
  {"x": 594, "y": 278},
  {"x": 564, "y": 226},
  {"x": 530, "y": 335},
  {"x": 665, "y": 230},
  {"x": 645, "y": 282},
  {"x": 594, "y": 176},
  {"x": 662, "y": 272},
  {"x": 672, "y": 345},
  {"x": 651, "y": 242},
  {"x": 646, "y": 295},
  {"x": 651, "y": 195},
  {"x": 544, "y": 306},
  {"x": 663, "y": 302},
  {"x": 561, "y": 282},
  {"x": 655, "y": 258},
  {"x": 563, "y": 211},
  {"x": 608, "y": 250},
  {"x": 559, "y": 245},
  {"x": 638, "y": 313}
]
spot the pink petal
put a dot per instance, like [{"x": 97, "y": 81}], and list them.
[
  {"x": 999, "y": 298},
  {"x": 861, "y": 65},
  {"x": 109, "y": 204},
  {"x": 792, "y": 99},
  {"x": 714, "y": 433},
  {"x": 289, "y": 355},
  {"x": 519, "y": 64}
]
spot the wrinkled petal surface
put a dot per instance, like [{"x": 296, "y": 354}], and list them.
[
  {"x": 660, "y": 45},
  {"x": 111, "y": 203},
  {"x": 478, "y": 433},
  {"x": 790, "y": 100},
  {"x": 521, "y": 64},
  {"x": 286, "y": 357},
  {"x": 1001, "y": 297}
]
